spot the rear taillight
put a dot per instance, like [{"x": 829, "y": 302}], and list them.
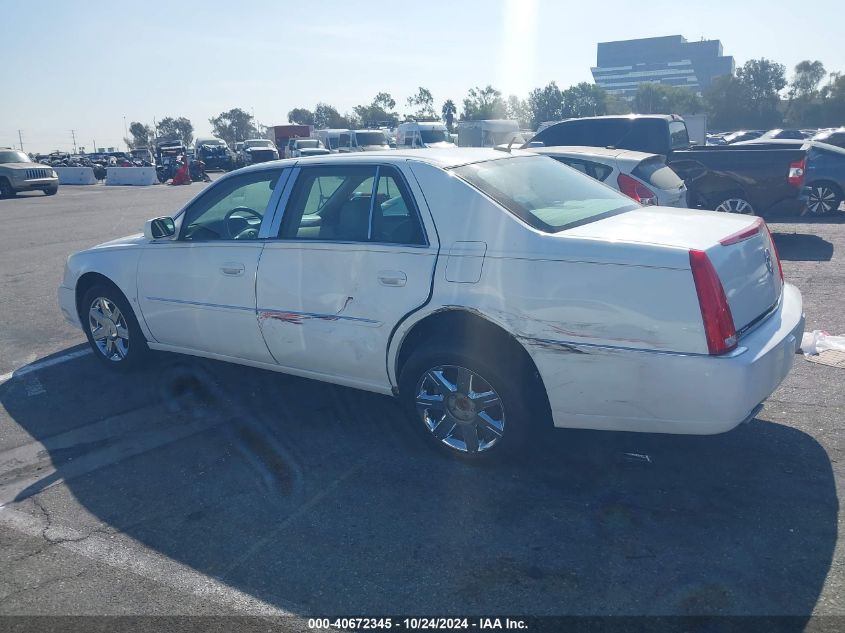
[
  {"x": 716, "y": 314},
  {"x": 635, "y": 189},
  {"x": 775, "y": 252},
  {"x": 796, "y": 173}
]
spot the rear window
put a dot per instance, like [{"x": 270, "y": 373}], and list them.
[
  {"x": 543, "y": 192},
  {"x": 654, "y": 171}
]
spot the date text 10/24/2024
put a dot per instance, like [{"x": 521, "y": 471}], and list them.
[{"x": 417, "y": 624}]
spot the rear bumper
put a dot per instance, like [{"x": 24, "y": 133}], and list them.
[{"x": 639, "y": 390}]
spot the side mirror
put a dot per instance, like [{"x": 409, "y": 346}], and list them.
[{"x": 159, "y": 228}]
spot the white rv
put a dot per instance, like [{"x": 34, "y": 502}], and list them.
[{"x": 425, "y": 134}]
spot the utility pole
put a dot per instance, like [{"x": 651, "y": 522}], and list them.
[
  {"x": 20, "y": 139},
  {"x": 73, "y": 135}
]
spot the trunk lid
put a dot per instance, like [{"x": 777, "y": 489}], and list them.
[{"x": 739, "y": 247}]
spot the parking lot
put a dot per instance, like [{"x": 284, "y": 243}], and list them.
[{"x": 197, "y": 487}]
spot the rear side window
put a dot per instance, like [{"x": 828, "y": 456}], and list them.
[
  {"x": 594, "y": 170},
  {"x": 678, "y": 133},
  {"x": 656, "y": 172},
  {"x": 345, "y": 204},
  {"x": 543, "y": 192}
]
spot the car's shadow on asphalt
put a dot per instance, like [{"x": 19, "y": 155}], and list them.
[
  {"x": 320, "y": 497},
  {"x": 802, "y": 247}
]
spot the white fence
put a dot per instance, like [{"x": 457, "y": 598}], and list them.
[
  {"x": 76, "y": 175},
  {"x": 131, "y": 176}
]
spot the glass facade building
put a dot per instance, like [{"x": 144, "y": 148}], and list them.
[{"x": 622, "y": 66}]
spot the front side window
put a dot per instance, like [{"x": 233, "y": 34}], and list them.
[
  {"x": 341, "y": 204},
  {"x": 231, "y": 209},
  {"x": 543, "y": 192}
]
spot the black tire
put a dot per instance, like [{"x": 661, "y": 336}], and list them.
[
  {"x": 824, "y": 199},
  {"x": 6, "y": 190},
  {"x": 510, "y": 383},
  {"x": 52, "y": 191},
  {"x": 123, "y": 358}
]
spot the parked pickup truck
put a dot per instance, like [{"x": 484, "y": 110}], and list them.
[{"x": 736, "y": 179}]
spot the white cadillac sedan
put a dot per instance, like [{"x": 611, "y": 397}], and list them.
[{"x": 493, "y": 293}]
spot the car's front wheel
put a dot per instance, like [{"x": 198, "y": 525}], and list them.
[
  {"x": 464, "y": 404},
  {"x": 112, "y": 329},
  {"x": 6, "y": 190},
  {"x": 52, "y": 191}
]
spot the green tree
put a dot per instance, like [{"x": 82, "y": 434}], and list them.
[
  {"x": 762, "y": 81},
  {"x": 483, "y": 103},
  {"x": 657, "y": 98},
  {"x": 326, "y": 116},
  {"x": 518, "y": 110},
  {"x": 178, "y": 127},
  {"x": 584, "y": 99},
  {"x": 448, "y": 112},
  {"x": 424, "y": 104},
  {"x": 545, "y": 104},
  {"x": 805, "y": 106},
  {"x": 301, "y": 116},
  {"x": 233, "y": 125},
  {"x": 833, "y": 100},
  {"x": 140, "y": 135},
  {"x": 379, "y": 112}
]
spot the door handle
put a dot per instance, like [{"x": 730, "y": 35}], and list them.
[
  {"x": 233, "y": 269},
  {"x": 394, "y": 278}
]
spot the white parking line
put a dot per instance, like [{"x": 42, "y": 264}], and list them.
[
  {"x": 28, "y": 369},
  {"x": 123, "y": 553}
]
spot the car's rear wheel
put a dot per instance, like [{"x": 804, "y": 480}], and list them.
[
  {"x": 112, "y": 329},
  {"x": 466, "y": 405},
  {"x": 735, "y": 204},
  {"x": 823, "y": 199},
  {"x": 6, "y": 190}
]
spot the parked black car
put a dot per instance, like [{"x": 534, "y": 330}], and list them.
[
  {"x": 733, "y": 178},
  {"x": 743, "y": 135},
  {"x": 831, "y": 137},
  {"x": 779, "y": 134},
  {"x": 214, "y": 153}
]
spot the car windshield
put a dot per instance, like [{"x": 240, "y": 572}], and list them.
[
  {"x": 308, "y": 143},
  {"x": 12, "y": 156},
  {"x": 258, "y": 143},
  {"x": 435, "y": 136},
  {"x": 370, "y": 138},
  {"x": 543, "y": 192}
]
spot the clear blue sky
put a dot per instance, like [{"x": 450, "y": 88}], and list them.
[{"x": 86, "y": 65}]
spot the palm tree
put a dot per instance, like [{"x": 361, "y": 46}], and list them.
[{"x": 449, "y": 111}]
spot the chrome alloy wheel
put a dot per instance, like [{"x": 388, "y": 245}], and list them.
[
  {"x": 822, "y": 199},
  {"x": 108, "y": 329},
  {"x": 460, "y": 408},
  {"x": 734, "y": 205}
]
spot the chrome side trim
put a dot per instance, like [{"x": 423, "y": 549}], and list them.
[
  {"x": 200, "y": 304},
  {"x": 294, "y": 316},
  {"x": 575, "y": 347}
]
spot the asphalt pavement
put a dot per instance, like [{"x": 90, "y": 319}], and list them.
[{"x": 201, "y": 488}]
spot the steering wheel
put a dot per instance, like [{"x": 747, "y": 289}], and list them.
[{"x": 250, "y": 232}]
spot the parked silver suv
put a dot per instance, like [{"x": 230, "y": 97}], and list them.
[{"x": 19, "y": 173}]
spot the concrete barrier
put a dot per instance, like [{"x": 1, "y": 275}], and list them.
[
  {"x": 131, "y": 176},
  {"x": 76, "y": 175}
]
